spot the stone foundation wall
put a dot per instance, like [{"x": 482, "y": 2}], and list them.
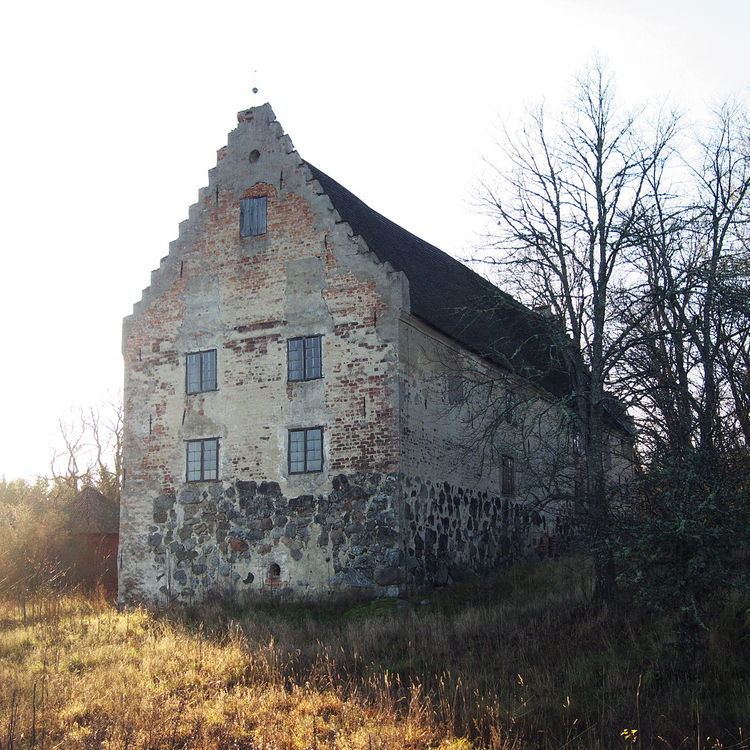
[
  {"x": 452, "y": 533},
  {"x": 222, "y": 538}
]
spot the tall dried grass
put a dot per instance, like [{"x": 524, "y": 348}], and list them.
[{"x": 522, "y": 661}]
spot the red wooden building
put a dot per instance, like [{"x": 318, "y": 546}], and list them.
[{"x": 94, "y": 527}]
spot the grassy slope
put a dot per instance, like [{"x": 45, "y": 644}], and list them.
[{"x": 519, "y": 661}]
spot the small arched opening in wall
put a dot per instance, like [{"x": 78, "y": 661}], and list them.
[{"x": 273, "y": 577}]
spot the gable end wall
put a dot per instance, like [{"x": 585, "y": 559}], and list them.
[{"x": 245, "y": 297}]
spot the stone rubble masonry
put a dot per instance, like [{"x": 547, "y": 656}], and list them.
[
  {"x": 367, "y": 521},
  {"x": 223, "y": 537}
]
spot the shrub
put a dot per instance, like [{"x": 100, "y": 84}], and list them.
[
  {"x": 35, "y": 545},
  {"x": 682, "y": 551}
]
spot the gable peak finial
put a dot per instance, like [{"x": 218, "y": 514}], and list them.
[
  {"x": 247, "y": 115},
  {"x": 255, "y": 90}
]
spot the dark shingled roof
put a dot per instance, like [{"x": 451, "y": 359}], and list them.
[
  {"x": 91, "y": 512},
  {"x": 451, "y": 297}
]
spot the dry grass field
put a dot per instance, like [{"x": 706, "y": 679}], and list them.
[{"x": 521, "y": 661}]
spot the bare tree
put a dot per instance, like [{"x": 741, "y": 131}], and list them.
[
  {"x": 90, "y": 452},
  {"x": 66, "y": 470},
  {"x": 688, "y": 363},
  {"x": 720, "y": 329},
  {"x": 566, "y": 202}
]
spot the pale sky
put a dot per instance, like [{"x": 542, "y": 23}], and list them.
[{"x": 112, "y": 114}]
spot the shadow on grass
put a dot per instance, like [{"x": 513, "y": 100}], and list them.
[{"x": 526, "y": 650}]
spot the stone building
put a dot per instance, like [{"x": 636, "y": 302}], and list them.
[{"x": 311, "y": 399}]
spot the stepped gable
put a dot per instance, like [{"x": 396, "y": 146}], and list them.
[
  {"x": 451, "y": 297},
  {"x": 444, "y": 292},
  {"x": 169, "y": 265}
]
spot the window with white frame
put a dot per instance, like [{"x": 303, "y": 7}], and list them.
[
  {"x": 304, "y": 358},
  {"x": 202, "y": 459},
  {"x": 306, "y": 450}
]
